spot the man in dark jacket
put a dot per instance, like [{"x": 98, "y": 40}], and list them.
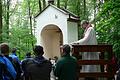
[
  {"x": 66, "y": 67},
  {"x": 37, "y": 68}
]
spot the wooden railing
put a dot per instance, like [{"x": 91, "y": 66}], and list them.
[{"x": 103, "y": 49}]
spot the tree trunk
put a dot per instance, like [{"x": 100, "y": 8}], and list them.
[
  {"x": 0, "y": 21},
  {"x": 66, "y": 1},
  {"x": 85, "y": 9},
  {"x": 44, "y": 4},
  {"x": 7, "y": 19},
  {"x": 40, "y": 7},
  {"x": 58, "y": 3},
  {"x": 94, "y": 13},
  {"x": 30, "y": 19}
]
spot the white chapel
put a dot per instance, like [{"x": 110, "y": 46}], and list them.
[{"x": 55, "y": 27}]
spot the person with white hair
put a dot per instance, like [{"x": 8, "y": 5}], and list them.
[{"x": 89, "y": 38}]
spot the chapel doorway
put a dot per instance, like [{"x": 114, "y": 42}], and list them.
[{"x": 52, "y": 39}]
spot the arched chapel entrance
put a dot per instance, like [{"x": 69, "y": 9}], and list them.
[{"x": 51, "y": 38}]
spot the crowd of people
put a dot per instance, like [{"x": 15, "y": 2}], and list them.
[{"x": 38, "y": 67}]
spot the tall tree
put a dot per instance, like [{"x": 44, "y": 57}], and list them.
[
  {"x": 30, "y": 20},
  {"x": 58, "y": 3},
  {"x": 0, "y": 21},
  {"x": 7, "y": 18},
  {"x": 84, "y": 8},
  {"x": 94, "y": 12},
  {"x": 66, "y": 4},
  {"x": 108, "y": 21},
  {"x": 44, "y": 4},
  {"x": 40, "y": 6}
]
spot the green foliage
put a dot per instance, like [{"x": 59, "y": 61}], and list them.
[
  {"x": 77, "y": 7},
  {"x": 108, "y": 22},
  {"x": 21, "y": 39},
  {"x": 19, "y": 26}
]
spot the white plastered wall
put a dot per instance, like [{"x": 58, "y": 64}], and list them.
[{"x": 72, "y": 31}]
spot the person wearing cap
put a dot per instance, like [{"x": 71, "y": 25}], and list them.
[
  {"x": 66, "y": 67},
  {"x": 89, "y": 38},
  {"x": 37, "y": 68}
]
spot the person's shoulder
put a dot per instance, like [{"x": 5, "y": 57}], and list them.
[
  {"x": 90, "y": 28},
  {"x": 2, "y": 59},
  {"x": 61, "y": 60},
  {"x": 13, "y": 56},
  {"x": 26, "y": 61},
  {"x": 73, "y": 58}
]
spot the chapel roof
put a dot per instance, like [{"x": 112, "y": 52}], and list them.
[{"x": 72, "y": 16}]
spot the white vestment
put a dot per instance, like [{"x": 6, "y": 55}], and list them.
[{"x": 89, "y": 39}]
